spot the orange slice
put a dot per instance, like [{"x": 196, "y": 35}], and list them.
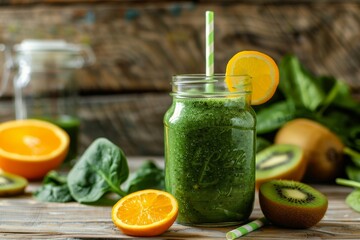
[
  {"x": 261, "y": 68},
  {"x": 31, "y": 148},
  {"x": 145, "y": 213}
]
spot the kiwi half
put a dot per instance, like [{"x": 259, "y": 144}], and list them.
[
  {"x": 11, "y": 184},
  {"x": 280, "y": 161},
  {"x": 292, "y": 204}
]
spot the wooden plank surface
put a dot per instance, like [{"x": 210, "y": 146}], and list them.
[
  {"x": 24, "y": 217},
  {"x": 140, "y": 46}
]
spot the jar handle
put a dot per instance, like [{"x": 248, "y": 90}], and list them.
[
  {"x": 6, "y": 70},
  {"x": 89, "y": 58}
]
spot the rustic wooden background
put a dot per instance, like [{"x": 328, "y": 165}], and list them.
[{"x": 139, "y": 45}]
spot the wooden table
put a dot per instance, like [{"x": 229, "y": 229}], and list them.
[{"x": 24, "y": 217}]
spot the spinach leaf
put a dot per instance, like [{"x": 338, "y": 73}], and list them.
[
  {"x": 344, "y": 98},
  {"x": 54, "y": 189},
  {"x": 261, "y": 143},
  {"x": 353, "y": 200},
  {"x": 349, "y": 183},
  {"x": 298, "y": 85},
  {"x": 101, "y": 169},
  {"x": 148, "y": 176},
  {"x": 55, "y": 177},
  {"x": 274, "y": 116},
  {"x": 354, "y": 156},
  {"x": 353, "y": 173},
  {"x": 53, "y": 193},
  {"x": 354, "y": 137}
]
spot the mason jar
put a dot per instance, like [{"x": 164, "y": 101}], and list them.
[
  {"x": 210, "y": 149},
  {"x": 44, "y": 75}
]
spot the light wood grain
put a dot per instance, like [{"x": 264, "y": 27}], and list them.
[
  {"x": 139, "y": 45},
  {"x": 24, "y": 217}
]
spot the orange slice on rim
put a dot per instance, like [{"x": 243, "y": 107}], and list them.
[
  {"x": 261, "y": 68},
  {"x": 145, "y": 213},
  {"x": 31, "y": 148}
]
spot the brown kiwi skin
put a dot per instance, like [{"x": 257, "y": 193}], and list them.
[
  {"x": 297, "y": 217},
  {"x": 323, "y": 150}
]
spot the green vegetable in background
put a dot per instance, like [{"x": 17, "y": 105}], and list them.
[
  {"x": 353, "y": 173},
  {"x": 274, "y": 116},
  {"x": 353, "y": 200},
  {"x": 101, "y": 169},
  {"x": 148, "y": 176},
  {"x": 323, "y": 99},
  {"x": 302, "y": 95},
  {"x": 54, "y": 189},
  {"x": 298, "y": 85},
  {"x": 261, "y": 143}
]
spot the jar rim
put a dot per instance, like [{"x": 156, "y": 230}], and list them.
[
  {"x": 202, "y": 85},
  {"x": 203, "y": 78}
]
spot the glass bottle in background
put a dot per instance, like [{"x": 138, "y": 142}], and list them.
[
  {"x": 210, "y": 149},
  {"x": 45, "y": 86}
]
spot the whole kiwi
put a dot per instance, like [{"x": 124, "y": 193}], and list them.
[
  {"x": 323, "y": 150},
  {"x": 292, "y": 204}
]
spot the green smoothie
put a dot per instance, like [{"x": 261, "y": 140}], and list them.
[{"x": 210, "y": 159}]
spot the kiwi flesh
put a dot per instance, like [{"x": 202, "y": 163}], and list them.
[
  {"x": 11, "y": 184},
  {"x": 292, "y": 204},
  {"x": 280, "y": 161}
]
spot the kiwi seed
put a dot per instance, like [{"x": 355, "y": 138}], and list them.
[{"x": 292, "y": 204}]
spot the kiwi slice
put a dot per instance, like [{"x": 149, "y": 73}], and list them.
[
  {"x": 280, "y": 161},
  {"x": 292, "y": 204},
  {"x": 11, "y": 184}
]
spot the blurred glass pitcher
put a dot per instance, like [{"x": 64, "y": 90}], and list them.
[{"x": 44, "y": 81}]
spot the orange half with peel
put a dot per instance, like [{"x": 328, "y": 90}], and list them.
[
  {"x": 30, "y": 148},
  {"x": 145, "y": 213},
  {"x": 261, "y": 68}
]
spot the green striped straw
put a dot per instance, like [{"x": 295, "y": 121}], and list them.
[
  {"x": 245, "y": 229},
  {"x": 209, "y": 47},
  {"x": 209, "y": 43}
]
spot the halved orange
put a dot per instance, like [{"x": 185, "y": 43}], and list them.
[
  {"x": 261, "y": 68},
  {"x": 145, "y": 213},
  {"x": 30, "y": 148}
]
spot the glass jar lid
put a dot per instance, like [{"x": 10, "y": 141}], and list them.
[{"x": 31, "y": 45}]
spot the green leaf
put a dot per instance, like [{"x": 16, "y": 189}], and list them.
[
  {"x": 331, "y": 94},
  {"x": 273, "y": 117},
  {"x": 101, "y": 169},
  {"x": 353, "y": 173},
  {"x": 55, "y": 178},
  {"x": 354, "y": 137},
  {"x": 54, "y": 189},
  {"x": 344, "y": 98},
  {"x": 354, "y": 156},
  {"x": 261, "y": 143},
  {"x": 349, "y": 183},
  {"x": 53, "y": 193},
  {"x": 148, "y": 176},
  {"x": 353, "y": 200},
  {"x": 298, "y": 85}
]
